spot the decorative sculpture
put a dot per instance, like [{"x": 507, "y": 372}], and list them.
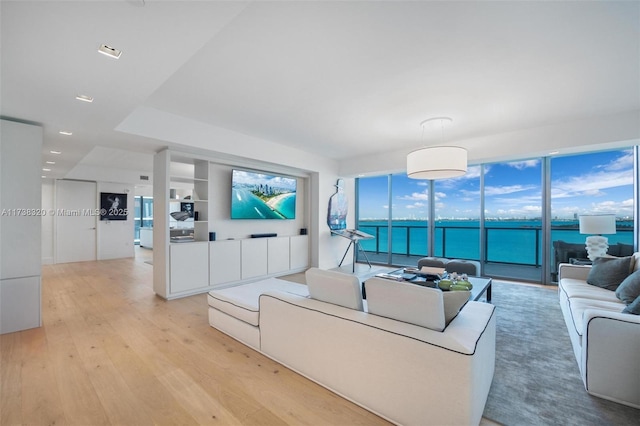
[{"x": 338, "y": 206}]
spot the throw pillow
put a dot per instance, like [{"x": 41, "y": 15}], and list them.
[
  {"x": 609, "y": 272},
  {"x": 633, "y": 307},
  {"x": 629, "y": 289},
  {"x": 453, "y": 303},
  {"x": 334, "y": 287},
  {"x": 405, "y": 302}
]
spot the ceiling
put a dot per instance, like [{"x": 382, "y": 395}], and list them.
[{"x": 337, "y": 79}]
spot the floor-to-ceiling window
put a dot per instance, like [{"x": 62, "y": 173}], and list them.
[
  {"x": 143, "y": 215},
  {"x": 508, "y": 236},
  {"x": 457, "y": 216},
  {"x": 512, "y": 219},
  {"x": 587, "y": 184},
  {"x": 372, "y": 217},
  {"x": 409, "y": 219}
]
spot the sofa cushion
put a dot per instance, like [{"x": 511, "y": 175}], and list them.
[
  {"x": 579, "y": 305},
  {"x": 578, "y": 288},
  {"x": 629, "y": 289},
  {"x": 453, "y": 301},
  {"x": 410, "y": 303},
  {"x": 242, "y": 301},
  {"x": 609, "y": 272},
  {"x": 334, "y": 287},
  {"x": 633, "y": 307}
]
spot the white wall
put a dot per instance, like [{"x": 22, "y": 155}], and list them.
[
  {"x": 220, "y": 209},
  {"x": 247, "y": 151},
  {"x": 48, "y": 221},
  {"x": 115, "y": 237}
]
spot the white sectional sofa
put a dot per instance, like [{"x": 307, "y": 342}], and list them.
[
  {"x": 606, "y": 341},
  {"x": 406, "y": 373}
]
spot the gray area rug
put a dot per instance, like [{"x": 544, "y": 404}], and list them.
[{"x": 537, "y": 381}]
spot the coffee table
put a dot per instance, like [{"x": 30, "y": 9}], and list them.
[{"x": 481, "y": 285}]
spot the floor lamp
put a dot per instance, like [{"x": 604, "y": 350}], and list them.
[{"x": 599, "y": 224}]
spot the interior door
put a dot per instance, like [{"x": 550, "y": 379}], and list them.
[{"x": 76, "y": 204}]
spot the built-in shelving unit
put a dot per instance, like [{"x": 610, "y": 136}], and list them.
[{"x": 189, "y": 263}]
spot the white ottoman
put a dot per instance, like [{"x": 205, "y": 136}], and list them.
[{"x": 236, "y": 311}]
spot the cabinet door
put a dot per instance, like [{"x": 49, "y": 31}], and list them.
[
  {"x": 254, "y": 258},
  {"x": 278, "y": 255},
  {"x": 224, "y": 262},
  {"x": 299, "y": 252},
  {"x": 20, "y": 304},
  {"x": 189, "y": 266}
]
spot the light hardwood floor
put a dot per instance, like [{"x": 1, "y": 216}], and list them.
[{"x": 111, "y": 352}]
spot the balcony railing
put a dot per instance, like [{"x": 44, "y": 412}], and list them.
[{"x": 515, "y": 245}]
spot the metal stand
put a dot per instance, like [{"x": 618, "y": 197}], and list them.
[
  {"x": 354, "y": 238},
  {"x": 356, "y": 246}
]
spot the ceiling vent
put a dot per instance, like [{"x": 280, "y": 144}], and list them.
[
  {"x": 109, "y": 51},
  {"x": 142, "y": 177}
]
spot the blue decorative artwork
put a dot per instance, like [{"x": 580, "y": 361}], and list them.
[{"x": 338, "y": 206}]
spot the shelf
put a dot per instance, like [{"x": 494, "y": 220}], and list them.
[{"x": 186, "y": 179}]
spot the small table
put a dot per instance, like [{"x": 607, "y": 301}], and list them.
[
  {"x": 481, "y": 285},
  {"x": 579, "y": 261}
]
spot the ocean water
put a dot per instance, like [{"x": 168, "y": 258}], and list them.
[{"x": 509, "y": 241}]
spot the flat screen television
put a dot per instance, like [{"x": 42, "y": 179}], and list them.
[{"x": 258, "y": 195}]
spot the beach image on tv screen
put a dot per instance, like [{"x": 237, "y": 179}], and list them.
[{"x": 257, "y": 195}]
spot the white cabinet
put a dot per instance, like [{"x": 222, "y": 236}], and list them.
[
  {"x": 299, "y": 252},
  {"x": 189, "y": 267},
  {"x": 224, "y": 262},
  {"x": 277, "y": 255},
  {"x": 21, "y": 221},
  {"x": 181, "y": 183},
  {"x": 254, "y": 258},
  {"x": 146, "y": 237}
]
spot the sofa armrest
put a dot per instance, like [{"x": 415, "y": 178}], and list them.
[
  {"x": 578, "y": 272},
  {"x": 611, "y": 344}
]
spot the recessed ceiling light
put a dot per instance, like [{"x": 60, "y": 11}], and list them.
[
  {"x": 554, "y": 152},
  {"x": 56, "y": 152},
  {"x": 65, "y": 132},
  {"x": 43, "y": 177},
  {"x": 109, "y": 51},
  {"x": 46, "y": 170},
  {"x": 84, "y": 98},
  {"x": 51, "y": 162}
]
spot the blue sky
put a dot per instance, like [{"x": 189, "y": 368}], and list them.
[{"x": 586, "y": 183}]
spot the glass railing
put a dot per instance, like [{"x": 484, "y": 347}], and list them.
[{"x": 517, "y": 245}]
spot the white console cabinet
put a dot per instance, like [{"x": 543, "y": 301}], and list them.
[
  {"x": 278, "y": 255},
  {"x": 224, "y": 262},
  {"x": 189, "y": 270}
]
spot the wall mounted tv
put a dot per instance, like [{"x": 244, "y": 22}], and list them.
[{"x": 258, "y": 195}]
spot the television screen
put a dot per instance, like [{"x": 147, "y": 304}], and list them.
[{"x": 257, "y": 195}]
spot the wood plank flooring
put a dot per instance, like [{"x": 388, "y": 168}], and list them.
[{"x": 111, "y": 352}]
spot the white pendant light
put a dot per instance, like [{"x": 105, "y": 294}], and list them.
[{"x": 437, "y": 162}]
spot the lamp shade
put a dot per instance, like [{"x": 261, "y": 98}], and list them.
[
  {"x": 597, "y": 224},
  {"x": 437, "y": 162}
]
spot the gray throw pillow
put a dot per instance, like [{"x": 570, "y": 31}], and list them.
[
  {"x": 609, "y": 272},
  {"x": 629, "y": 289},
  {"x": 633, "y": 308}
]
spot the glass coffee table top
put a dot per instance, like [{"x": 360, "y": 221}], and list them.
[{"x": 481, "y": 285}]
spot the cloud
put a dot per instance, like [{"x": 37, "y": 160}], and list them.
[
  {"x": 624, "y": 162},
  {"x": 490, "y": 191},
  {"x": 415, "y": 196},
  {"x": 591, "y": 184},
  {"x": 521, "y": 165},
  {"x": 417, "y": 205}
]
